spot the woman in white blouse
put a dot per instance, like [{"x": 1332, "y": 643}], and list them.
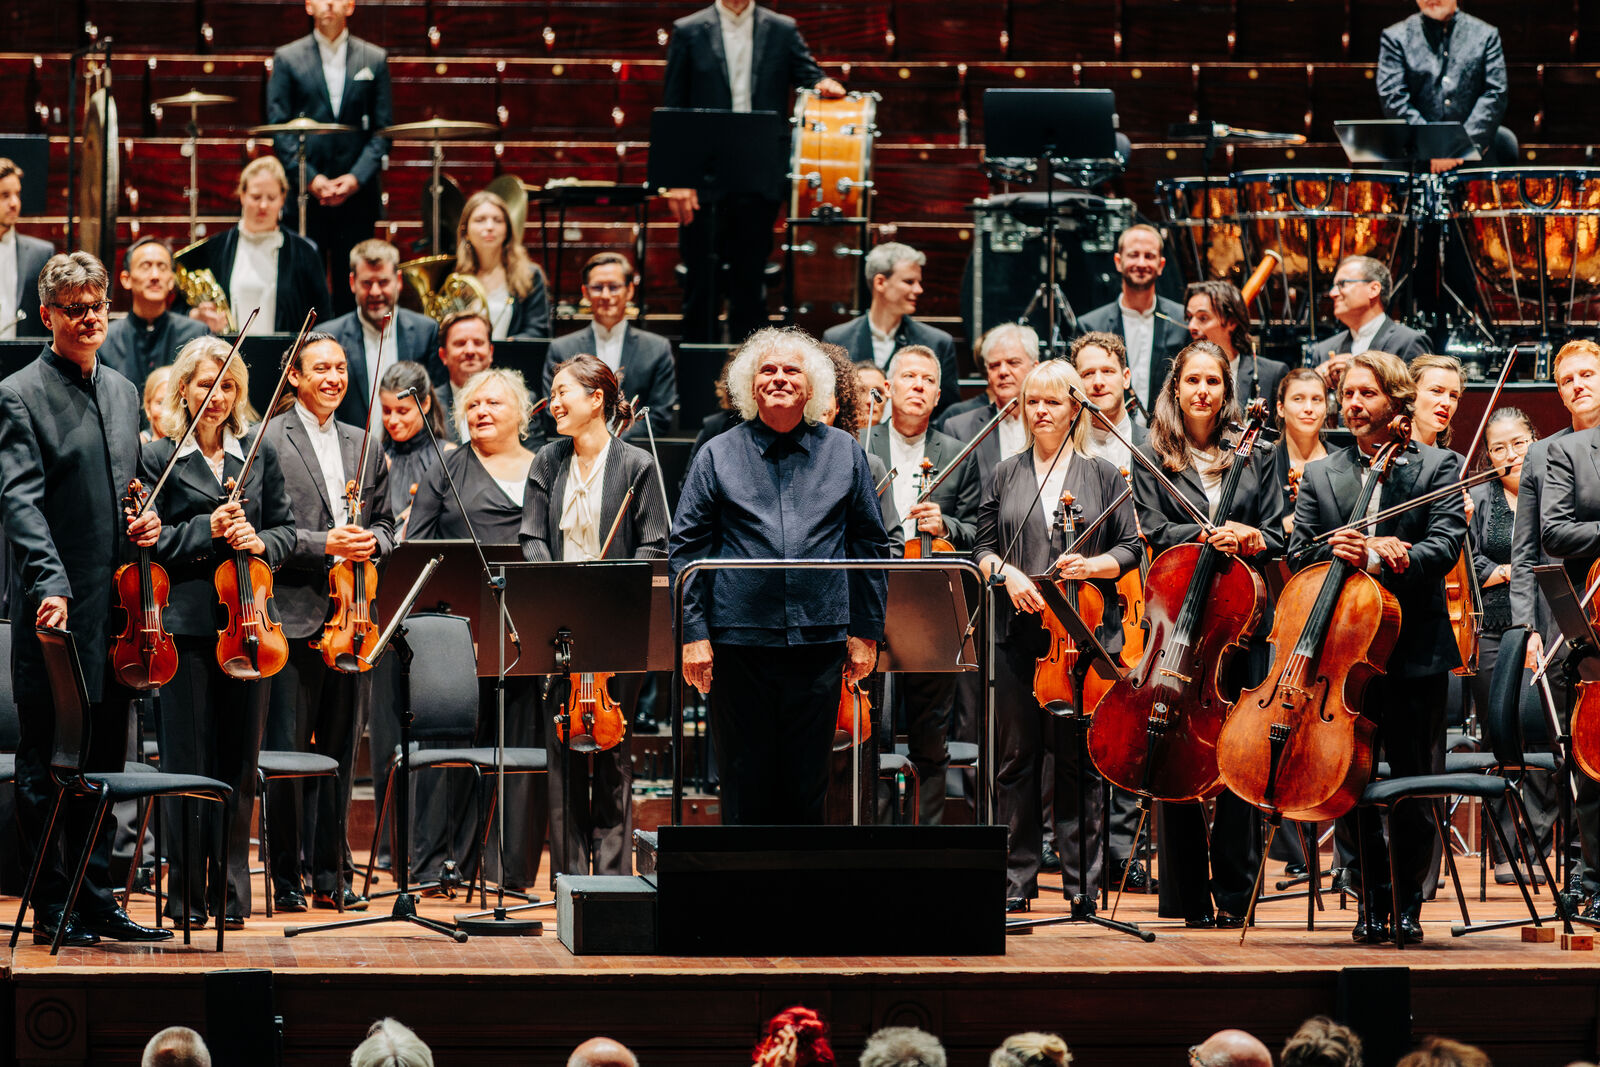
[
  {"x": 259, "y": 264},
  {"x": 576, "y": 490},
  {"x": 487, "y": 249}
]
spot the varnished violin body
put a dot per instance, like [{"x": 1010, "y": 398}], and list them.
[
  {"x": 1463, "y": 605},
  {"x": 1052, "y": 672},
  {"x": 143, "y": 656},
  {"x": 1131, "y": 593},
  {"x": 591, "y": 721},
  {"x": 252, "y": 644},
  {"x": 1586, "y": 709},
  {"x": 351, "y": 629},
  {"x": 855, "y": 717}
]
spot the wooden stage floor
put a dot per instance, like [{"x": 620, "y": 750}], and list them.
[{"x": 531, "y": 1000}]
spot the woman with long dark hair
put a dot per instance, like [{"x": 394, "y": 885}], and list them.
[
  {"x": 487, "y": 249},
  {"x": 406, "y": 445}
]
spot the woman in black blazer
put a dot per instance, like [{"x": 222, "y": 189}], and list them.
[
  {"x": 490, "y": 249},
  {"x": 575, "y": 490},
  {"x": 1016, "y": 537},
  {"x": 1195, "y": 407},
  {"x": 211, "y": 723}
]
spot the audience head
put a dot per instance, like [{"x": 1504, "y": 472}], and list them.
[
  {"x": 1102, "y": 361},
  {"x": 391, "y": 1044},
  {"x": 375, "y": 279},
  {"x": 319, "y": 376},
  {"x": 1217, "y": 314},
  {"x": 465, "y": 344},
  {"x": 176, "y": 1046},
  {"x": 582, "y": 389},
  {"x": 147, "y": 274},
  {"x": 263, "y": 187},
  {"x": 608, "y": 286},
  {"x": 1230, "y": 1048},
  {"x": 402, "y": 419},
  {"x": 780, "y": 375},
  {"x": 1138, "y": 258},
  {"x": 894, "y": 274},
  {"x": 802, "y": 1028},
  {"x": 1031, "y": 1049},
  {"x": 1360, "y": 288},
  {"x": 1321, "y": 1042},
  {"x": 1443, "y": 1052},
  {"x": 10, "y": 195},
  {"x": 192, "y": 374},
  {"x": 73, "y": 304},
  {"x": 602, "y": 1052},
  {"x": 902, "y": 1046},
  {"x": 1007, "y": 353}
]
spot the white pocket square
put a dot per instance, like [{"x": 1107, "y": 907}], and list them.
[{"x": 363, "y": 75}]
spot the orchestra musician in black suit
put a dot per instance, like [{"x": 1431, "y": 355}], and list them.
[
  {"x": 412, "y": 337},
  {"x": 734, "y": 55},
  {"x": 1217, "y": 313},
  {"x": 211, "y": 722},
  {"x": 1360, "y": 288},
  {"x": 1410, "y": 555},
  {"x": 315, "y": 707},
  {"x": 150, "y": 335},
  {"x": 1444, "y": 65},
  {"x": 1152, "y": 327},
  {"x": 1009, "y": 352},
  {"x": 19, "y": 309},
  {"x": 577, "y": 488},
  {"x": 332, "y": 76},
  {"x": 1019, "y": 536},
  {"x": 69, "y": 447}
]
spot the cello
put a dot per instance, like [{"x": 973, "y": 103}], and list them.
[
  {"x": 1298, "y": 745},
  {"x": 591, "y": 720},
  {"x": 1052, "y": 672},
  {"x": 1155, "y": 733}
]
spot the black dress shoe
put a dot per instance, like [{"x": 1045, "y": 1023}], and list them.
[
  {"x": 1050, "y": 861},
  {"x": 1201, "y": 922},
  {"x": 1016, "y": 904},
  {"x": 44, "y": 930},
  {"x": 289, "y": 900},
  {"x": 353, "y": 901},
  {"x": 1409, "y": 926},
  {"x": 1229, "y": 921},
  {"x": 233, "y": 922},
  {"x": 117, "y": 925},
  {"x": 1296, "y": 870},
  {"x": 196, "y": 922},
  {"x": 1139, "y": 879},
  {"x": 1370, "y": 929}
]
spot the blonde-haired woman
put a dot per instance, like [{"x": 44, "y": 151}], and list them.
[
  {"x": 1019, "y": 519},
  {"x": 487, "y": 249},
  {"x": 211, "y": 722}
]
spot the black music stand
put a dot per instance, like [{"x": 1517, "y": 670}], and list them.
[
  {"x": 458, "y": 583},
  {"x": 405, "y": 905},
  {"x": 716, "y": 153},
  {"x": 1091, "y": 655}
]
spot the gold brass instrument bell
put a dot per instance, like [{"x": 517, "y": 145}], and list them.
[{"x": 198, "y": 284}]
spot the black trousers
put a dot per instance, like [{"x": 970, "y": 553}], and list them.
[
  {"x": 929, "y": 701},
  {"x": 106, "y": 750},
  {"x": 1410, "y": 716},
  {"x": 211, "y": 724},
  {"x": 773, "y": 710},
  {"x": 591, "y": 796},
  {"x": 336, "y": 230},
  {"x": 1231, "y": 852},
  {"x": 740, "y": 236},
  {"x": 314, "y": 708}
]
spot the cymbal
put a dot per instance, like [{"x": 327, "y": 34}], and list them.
[
  {"x": 195, "y": 98},
  {"x": 438, "y": 130},
  {"x": 1222, "y": 133},
  {"x": 303, "y": 125}
]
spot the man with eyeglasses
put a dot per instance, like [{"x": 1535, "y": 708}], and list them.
[
  {"x": 1360, "y": 287},
  {"x": 21, "y": 259},
  {"x": 69, "y": 446},
  {"x": 642, "y": 360}
]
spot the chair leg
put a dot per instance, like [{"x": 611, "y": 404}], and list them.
[
  {"x": 377, "y": 829},
  {"x": 138, "y": 851},
  {"x": 1520, "y": 813},
  {"x": 187, "y": 835},
  {"x": 1526, "y": 845},
  {"x": 1516, "y": 871},
  {"x": 1394, "y": 882},
  {"x": 1450, "y": 862},
  {"x": 266, "y": 852},
  {"x": 224, "y": 820},
  {"x": 101, "y": 808},
  {"x": 1483, "y": 853},
  {"x": 43, "y": 848},
  {"x": 916, "y": 798}
]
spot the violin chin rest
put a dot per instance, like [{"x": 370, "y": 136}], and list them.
[
  {"x": 240, "y": 667},
  {"x": 346, "y": 662},
  {"x": 583, "y": 743}
]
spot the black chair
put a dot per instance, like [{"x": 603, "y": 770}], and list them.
[
  {"x": 275, "y": 765},
  {"x": 1503, "y": 730},
  {"x": 72, "y": 726},
  {"x": 444, "y": 709}
]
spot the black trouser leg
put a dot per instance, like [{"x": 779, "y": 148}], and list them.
[
  {"x": 1074, "y": 775},
  {"x": 526, "y": 811},
  {"x": 1020, "y": 744},
  {"x": 929, "y": 703}
]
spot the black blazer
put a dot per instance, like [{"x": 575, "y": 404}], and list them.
[
  {"x": 647, "y": 371},
  {"x": 187, "y": 550},
  {"x": 643, "y": 535},
  {"x": 1009, "y": 502},
  {"x": 1392, "y": 337},
  {"x": 1569, "y": 503},
  {"x": 414, "y": 337},
  {"x": 1527, "y": 544},
  {"x": 301, "y": 591},
  {"x": 1171, "y": 333},
  {"x": 47, "y": 441},
  {"x": 1259, "y": 502},
  {"x": 121, "y": 349},
  {"x": 298, "y": 88},
  {"x": 530, "y": 315},
  {"x": 1259, "y": 376},
  {"x": 1328, "y": 489},
  {"x": 958, "y": 496},
  {"x": 302, "y": 284},
  {"x": 32, "y": 255},
  {"x": 965, "y": 427},
  {"x": 434, "y": 515},
  {"x": 1462, "y": 78},
  {"x": 856, "y": 337}
]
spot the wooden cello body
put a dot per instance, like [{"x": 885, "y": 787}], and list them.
[{"x": 1586, "y": 708}]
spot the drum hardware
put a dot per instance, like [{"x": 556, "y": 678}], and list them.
[
  {"x": 831, "y": 185},
  {"x": 194, "y": 100},
  {"x": 93, "y": 225},
  {"x": 301, "y": 128},
  {"x": 436, "y": 131}
]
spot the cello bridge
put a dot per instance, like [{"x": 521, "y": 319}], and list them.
[{"x": 1184, "y": 678}]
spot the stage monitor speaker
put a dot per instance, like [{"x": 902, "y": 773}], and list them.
[
  {"x": 1375, "y": 1002},
  {"x": 243, "y": 1029},
  {"x": 606, "y": 915},
  {"x": 831, "y": 890}
]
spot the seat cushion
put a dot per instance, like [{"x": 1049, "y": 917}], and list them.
[
  {"x": 518, "y": 760},
  {"x": 133, "y": 785},
  {"x": 276, "y": 763},
  {"x": 892, "y": 763},
  {"x": 1389, "y": 790},
  {"x": 963, "y": 754},
  {"x": 8, "y": 766},
  {"x": 1483, "y": 761}
]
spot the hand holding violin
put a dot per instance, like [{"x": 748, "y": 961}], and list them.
[
  {"x": 1024, "y": 594},
  {"x": 352, "y": 542},
  {"x": 930, "y": 519},
  {"x": 143, "y": 530}
]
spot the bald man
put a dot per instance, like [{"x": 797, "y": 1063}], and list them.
[
  {"x": 604, "y": 1052},
  {"x": 1230, "y": 1048}
]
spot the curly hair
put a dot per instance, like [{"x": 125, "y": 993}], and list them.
[
  {"x": 1321, "y": 1042},
  {"x": 810, "y": 1033},
  {"x": 741, "y": 376}
]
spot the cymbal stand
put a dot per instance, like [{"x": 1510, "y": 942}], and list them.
[
  {"x": 436, "y": 191},
  {"x": 300, "y": 165},
  {"x": 191, "y": 148}
]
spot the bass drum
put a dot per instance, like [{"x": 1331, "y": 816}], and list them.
[
  {"x": 830, "y": 161},
  {"x": 1202, "y": 217}
]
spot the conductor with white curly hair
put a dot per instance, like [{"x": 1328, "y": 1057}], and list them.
[{"x": 770, "y": 646}]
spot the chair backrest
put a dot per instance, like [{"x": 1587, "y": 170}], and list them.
[
  {"x": 10, "y": 726},
  {"x": 444, "y": 678},
  {"x": 71, "y": 698},
  {"x": 1502, "y": 719}
]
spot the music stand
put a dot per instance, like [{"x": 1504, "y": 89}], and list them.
[
  {"x": 405, "y": 905},
  {"x": 716, "y": 153},
  {"x": 1091, "y": 653},
  {"x": 457, "y": 586}
]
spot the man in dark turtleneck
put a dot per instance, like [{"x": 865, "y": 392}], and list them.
[
  {"x": 1444, "y": 65},
  {"x": 150, "y": 335}
]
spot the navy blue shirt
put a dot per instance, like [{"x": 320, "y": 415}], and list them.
[{"x": 753, "y": 493}]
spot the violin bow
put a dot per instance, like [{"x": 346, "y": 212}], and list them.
[
  {"x": 887, "y": 479},
  {"x": 1494, "y": 398},
  {"x": 616, "y": 523},
  {"x": 643, "y": 415},
  {"x": 1415, "y": 502},
  {"x": 194, "y": 419},
  {"x": 289, "y": 358},
  {"x": 1143, "y": 461},
  {"x": 372, "y": 406},
  {"x": 971, "y": 447}
]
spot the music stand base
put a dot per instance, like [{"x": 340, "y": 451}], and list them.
[
  {"x": 499, "y": 924},
  {"x": 405, "y": 910},
  {"x": 1083, "y": 911}
]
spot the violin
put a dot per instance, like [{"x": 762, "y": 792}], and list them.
[
  {"x": 1298, "y": 745},
  {"x": 1131, "y": 591},
  {"x": 589, "y": 700},
  {"x": 143, "y": 656},
  {"x": 1052, "y": 672},
  {"x": 1463, "y": 600},
  {"x": 1155, "y": 733},
  {"x": 926, "y": 544},
  {"x": 854, "y": 722}
]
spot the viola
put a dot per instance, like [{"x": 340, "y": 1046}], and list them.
[
  {"x": 926, "y": 544},
  {"x": 1052, "y": 672},
  {"x": 854, "y": 722},
  {"x": 1298, "y": 745},
  {"x": 1131, "y": 592},
  {"x": 590, "y": 721},
  {"x": 1155, "y": 733},
  {"x": 251, "y": 645},
  {"x": 143, "y": 656}
]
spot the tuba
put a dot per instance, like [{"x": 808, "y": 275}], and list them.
[{"x": 198, "y": 284}]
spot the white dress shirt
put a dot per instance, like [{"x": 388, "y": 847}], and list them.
[
  {"x": 580, "y": 509},
  {"x": 905, "y": 459},
  {"x": 1139, "y": 334},
  {"x": 1361, "y": 340},
  {"x": 738, "y": 46},
  {"x": 1052, "y": 482},
  {"x": 255, "y": 278},
  {"x": 1012, "y": 439},
  {"x": 608, "y": 345},
  {"x": 882, "y": 345},
  {"x": 330, "y": 460},
  {"x": 334, "y": 55},
  {"x": 1109, "y": 448},
  {"x": 230, "y": 447},
  {"x": 1204, "y": 463},
  {"x": 9, "y": 305},
  {"x": 376, "y": 363},
  {"x": 513, "y": 489}
]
